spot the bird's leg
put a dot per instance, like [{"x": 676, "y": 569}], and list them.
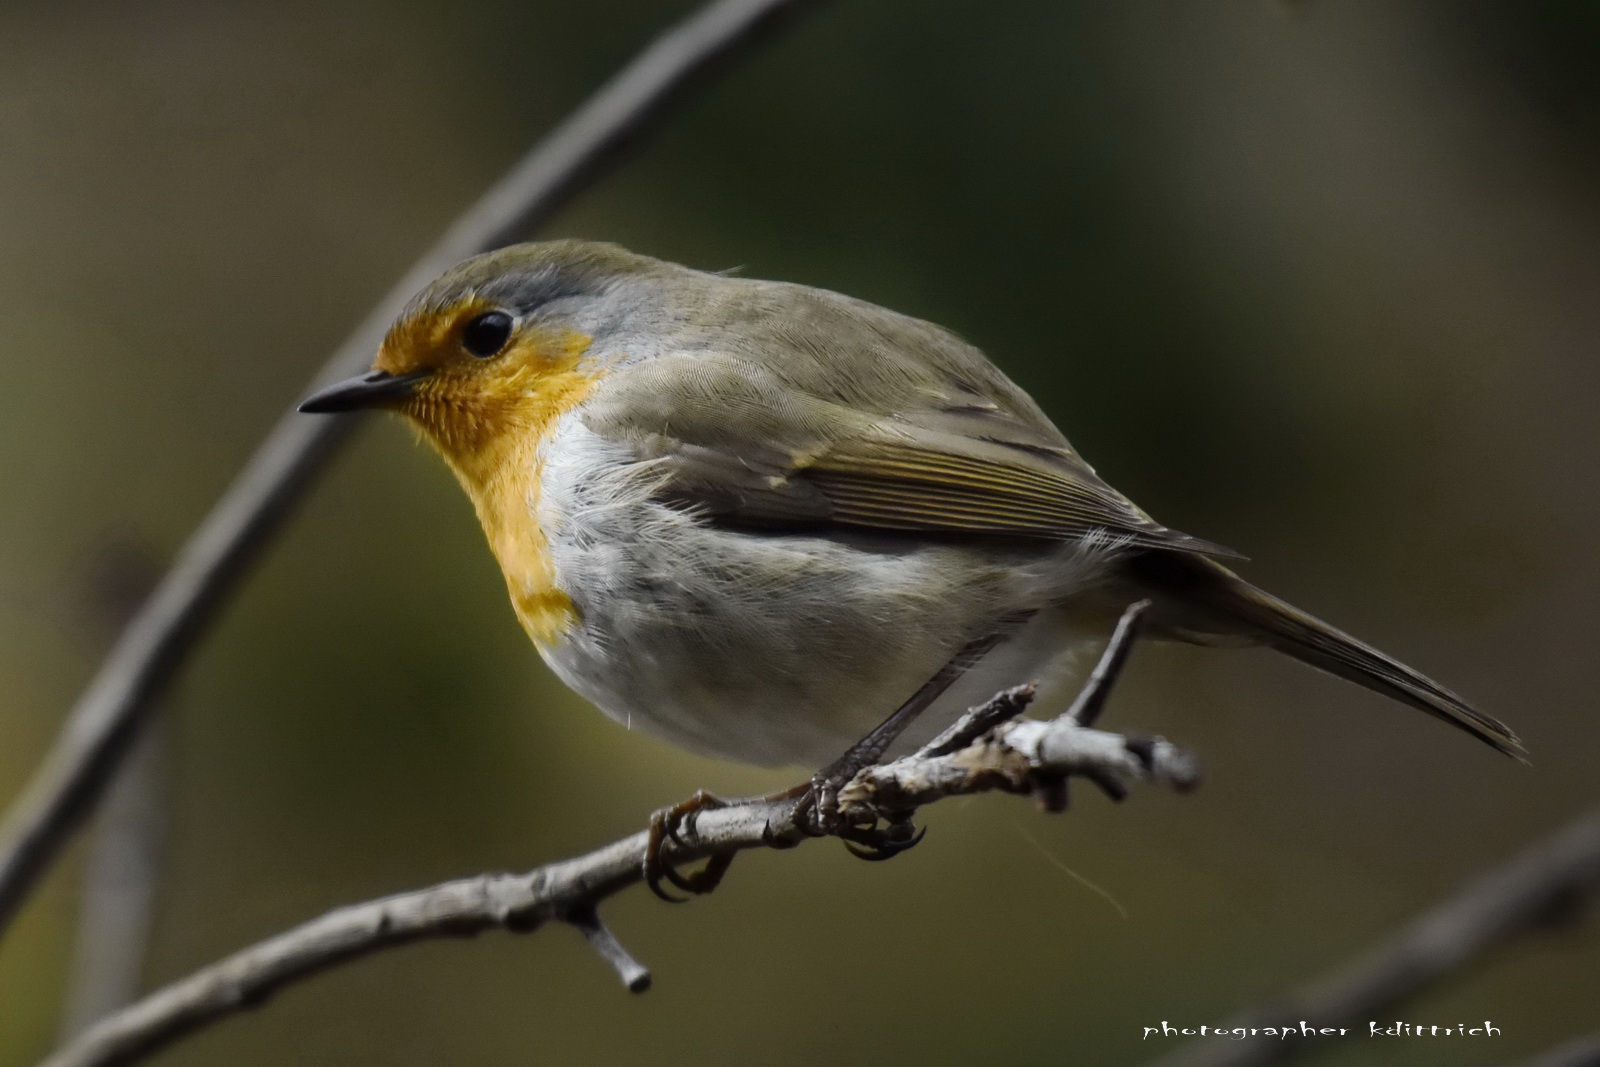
[{"x": 817, "y": 811}]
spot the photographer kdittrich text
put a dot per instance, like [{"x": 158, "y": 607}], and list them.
[{"x": 1305, "y": 1029}]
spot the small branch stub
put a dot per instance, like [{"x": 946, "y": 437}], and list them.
[{"x": 586, "y": 919}]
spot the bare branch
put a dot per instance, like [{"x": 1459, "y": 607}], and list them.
[
  {"x": 1541, "y": 884},
  {"x": 1092, "y": 700},
  {"x": 101, "y": 726},
  {"x": 1002, "y": 707},
  {"x": 1017, "y": 756}
]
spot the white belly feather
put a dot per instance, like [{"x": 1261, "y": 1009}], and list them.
[{"x": 778, "y": 649}]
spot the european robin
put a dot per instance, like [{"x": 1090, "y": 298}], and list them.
[{"x": 755, "y": 517}]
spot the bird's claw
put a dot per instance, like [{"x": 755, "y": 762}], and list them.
[
  {"x": 875, "y": 844},
  {"x": 875, "y": 837},
  {"x": 669, "y": 825}
]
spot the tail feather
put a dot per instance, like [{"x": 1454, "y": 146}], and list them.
[{"x": 1200, "y": 600}]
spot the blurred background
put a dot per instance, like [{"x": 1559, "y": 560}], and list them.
[{"x": 1316, "y": 280}]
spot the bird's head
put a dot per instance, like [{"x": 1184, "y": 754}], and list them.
[{"x": 494, "y": 350}]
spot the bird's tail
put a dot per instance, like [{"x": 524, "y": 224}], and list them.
[{"x": 1201, "y": 601}]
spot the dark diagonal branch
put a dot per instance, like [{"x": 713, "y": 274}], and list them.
[
  {"x": 1013, "y": 755},
  {"x": 1541, "y": 884},
  {"x": 101, "y": 726}
]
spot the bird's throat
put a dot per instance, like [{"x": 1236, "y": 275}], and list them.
[
  {"x": 499, "y": 464},
  {"x": 508, "y": 508}
]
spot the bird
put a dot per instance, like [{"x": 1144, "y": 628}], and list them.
[{"x": 755, "y": 518}]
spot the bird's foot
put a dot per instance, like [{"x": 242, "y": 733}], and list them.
[
  {"x": 676, "y": 825},
  {"x": 817, "y": 813},
  {"x": 868, "y": 833}
]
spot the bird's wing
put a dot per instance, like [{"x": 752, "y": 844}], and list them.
[
  {"x": 938, "y": 479},
  {"x": 747, "y": 447}
]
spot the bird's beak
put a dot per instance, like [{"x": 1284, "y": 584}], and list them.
[{"x": 372, "y": 389}]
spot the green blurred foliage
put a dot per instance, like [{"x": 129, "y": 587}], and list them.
[{"x": 1314, "y": 279}]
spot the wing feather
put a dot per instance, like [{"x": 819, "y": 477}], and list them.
[
  {"x": 939, "y": 482},
  {"x": 756, "y": 444}
]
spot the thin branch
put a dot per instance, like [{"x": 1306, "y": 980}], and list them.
[
  {"x": 1543, "y": 883},
  {"x": 1002, "y": 707},
  {"x": 1015, "y": 756},
  {"x": 97, "y": 733},
  {"x": 1086, "y": 709}
]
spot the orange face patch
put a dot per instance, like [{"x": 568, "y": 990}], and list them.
[
  {"x": 428, "y": 340},
  {"x": 466, "y": 402},
  {"x": 488, "y": 417}
]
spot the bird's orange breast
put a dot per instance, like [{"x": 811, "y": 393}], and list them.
[{"x": 492, "y": 430}]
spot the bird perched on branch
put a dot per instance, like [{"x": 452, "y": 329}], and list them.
[{"x": 756, "y": 518}]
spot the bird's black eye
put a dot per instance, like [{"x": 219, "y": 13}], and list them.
[{"x": 487, "y": 334}]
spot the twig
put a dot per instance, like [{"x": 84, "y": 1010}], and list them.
[
  {"x": 1092, "y": 700},
  {"x": 101, "y": 726},
  {"x": 1541, "y": 884},
  {"x": 1002, "y": 707},
  {"x": 586, "y": 919},
  {"x": 1012, "y": 757},
  {"x": 1085, "y": 709}
]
